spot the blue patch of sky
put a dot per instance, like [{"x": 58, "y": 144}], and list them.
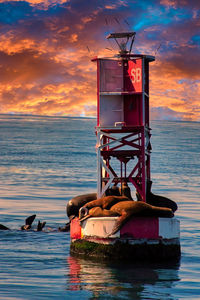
[
  {"x": 150, "y": 14},
  {"x": 12, "y": 12},
  {"x": 195, "y": 39}
]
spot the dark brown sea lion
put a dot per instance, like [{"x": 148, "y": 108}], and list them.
[
  {"x": 161, "y": 201},
  {"x": 28, "y": 223},
  {"x": 157, "y": 200},
  {"x": 106, "y": 202},
  {"x": 77, "y": 202}
]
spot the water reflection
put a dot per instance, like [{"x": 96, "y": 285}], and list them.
[{"x": 124, "y": 281}]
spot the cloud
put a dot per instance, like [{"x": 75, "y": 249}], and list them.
[
  {"x": 165, "y": 113},
  {"x": 46, "y": 48}
]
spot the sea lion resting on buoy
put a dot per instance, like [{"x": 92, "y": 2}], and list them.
[
  {"x": 125, "y": 190},
  {"x": 157, "y": 200},
  {"x": 106, "y": 202},
  {"x": 100, "y": 207},
  {"x": 77, "y": 202},
  {"x": 161, "y": 201},
  {"x": 113, "y": 191},
  {"x": 137, "y": 208},
  {"x": 125, "y": 209}
]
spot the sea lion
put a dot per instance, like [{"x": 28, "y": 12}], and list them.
[
  {"x": 113, "y": 191},
  {"x": 106, "y": 202},
  {"x": 40, "y": 225},
  {"x": 161, "y": 201},
  {"x": 157, "y": 200},
  {"x": 127, "y": 209},
  {"x": 2, "y": 227},
  {"x": 28, "y": 223},
  {"x": 125, "y": 190},
  {"x": 77, "y": 202}
]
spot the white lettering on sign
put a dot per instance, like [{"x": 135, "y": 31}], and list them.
[{"x": 136, "y": 75}]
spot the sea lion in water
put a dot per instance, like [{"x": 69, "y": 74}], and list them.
[
  {"x": 77, "y": 202},
  {"x": 40, "y": 225},
  {"x": 106, "y": 202},
  {"x": 28, "y": 223}
]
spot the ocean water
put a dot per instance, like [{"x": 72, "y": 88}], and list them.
[{"x": 45, "y": 161}]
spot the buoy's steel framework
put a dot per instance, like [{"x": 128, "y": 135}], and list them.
[{"x": 123, "y": 132}]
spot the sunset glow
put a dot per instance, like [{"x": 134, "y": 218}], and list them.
[{"x": 47, "y": 46}]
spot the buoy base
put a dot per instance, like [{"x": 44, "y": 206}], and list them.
[
  {"x": 128, "y": 250},
  {"x": 141, "y": 238}
]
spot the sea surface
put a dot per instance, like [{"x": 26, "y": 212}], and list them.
[{"x": 45, "y": 161}]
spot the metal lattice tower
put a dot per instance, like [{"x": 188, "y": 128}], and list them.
[{"x": 123, "y": 131}]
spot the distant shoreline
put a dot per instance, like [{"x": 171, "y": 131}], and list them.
[
  {"x": 15, "y": 115},
  {"x": 44, "y": 116}
]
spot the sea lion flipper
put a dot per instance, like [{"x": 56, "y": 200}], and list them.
[
  {"x": 93, "y": 203},
  {"x": 30, "y": 220},
  {"x": 120, "y": 221},
  {"x": 164, "y": 212},
  {"x": 40, "y": 225},
  {"x": 2, "y": 227}
]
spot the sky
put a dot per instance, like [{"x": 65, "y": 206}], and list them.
[{"x": 46, "y": 49}]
